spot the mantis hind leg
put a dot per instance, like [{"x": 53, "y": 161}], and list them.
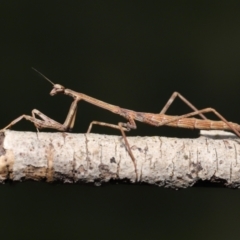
[{"x": 171, "y": 100}]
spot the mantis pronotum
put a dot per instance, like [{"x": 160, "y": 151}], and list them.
[{"x": 156, "y": 119}]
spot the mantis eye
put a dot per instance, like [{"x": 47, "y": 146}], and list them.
[{"x": 58, "y": 87}]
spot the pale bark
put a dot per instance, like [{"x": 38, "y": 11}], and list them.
[{"x": 168, "y": 162}]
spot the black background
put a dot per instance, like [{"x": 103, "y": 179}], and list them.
[{"x": 133, "y": 54}]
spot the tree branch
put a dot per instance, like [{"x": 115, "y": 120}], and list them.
[{"x": 169, "y": 162}]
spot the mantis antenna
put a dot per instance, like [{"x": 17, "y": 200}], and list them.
[{"x": 43, "y": 76}]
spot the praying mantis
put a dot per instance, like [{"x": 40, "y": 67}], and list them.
[{"x": 155, "y": 119}]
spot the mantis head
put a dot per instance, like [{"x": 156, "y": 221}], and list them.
[{"x": 57, "y": 88}]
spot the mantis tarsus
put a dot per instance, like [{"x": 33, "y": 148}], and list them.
[{"x": 156, "y": 119}]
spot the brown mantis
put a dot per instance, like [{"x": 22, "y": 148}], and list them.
[{"x": 155, "y": 119}]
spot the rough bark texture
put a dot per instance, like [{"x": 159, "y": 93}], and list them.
[{"x": 168, "y": 162}]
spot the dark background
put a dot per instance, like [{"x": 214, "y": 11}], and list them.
[{"x": 133, "y": 54}]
